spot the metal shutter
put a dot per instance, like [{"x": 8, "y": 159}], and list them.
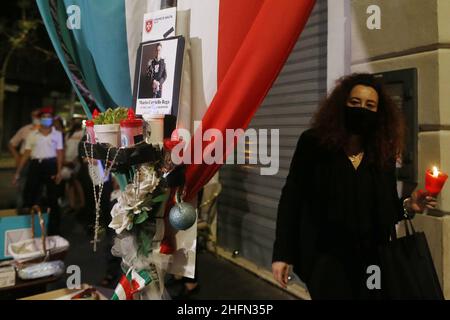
[{"x": 247, "y": 206}]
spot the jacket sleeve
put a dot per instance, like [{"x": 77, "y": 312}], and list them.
[
  {"x": 286, "y": 243},
  {"x": 164, "y": 73},
  {"x": 149, "y": 71}
]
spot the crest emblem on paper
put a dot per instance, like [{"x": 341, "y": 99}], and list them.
[{"x": 148, "y": 25}]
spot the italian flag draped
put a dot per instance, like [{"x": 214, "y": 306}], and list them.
[
  {"x": 234, "y": 52},
  {"x": 131, "y": 283}
]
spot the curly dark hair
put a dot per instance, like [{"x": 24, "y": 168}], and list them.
[{"x": 385, "y": 145}]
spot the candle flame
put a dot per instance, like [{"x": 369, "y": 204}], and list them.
[{"x": 435, "y": 171}]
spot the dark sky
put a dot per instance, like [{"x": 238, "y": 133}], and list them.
[
  {"x": 29, "y": 65},
  {"x": 29, "y": 70}
]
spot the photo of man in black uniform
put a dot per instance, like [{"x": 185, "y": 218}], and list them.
[{"x": 156, "y": 72}]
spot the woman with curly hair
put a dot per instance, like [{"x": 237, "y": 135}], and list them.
[{"x": 340, "y": 199}]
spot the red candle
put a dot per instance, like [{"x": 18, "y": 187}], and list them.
[{"x": 434, "y": 181}]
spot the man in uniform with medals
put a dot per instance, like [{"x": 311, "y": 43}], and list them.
[{"x": 156, "y": 71}]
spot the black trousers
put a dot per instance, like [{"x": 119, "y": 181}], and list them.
[
  {"x": 343, "y": 276},
  {"x": 39, "y": 177}
]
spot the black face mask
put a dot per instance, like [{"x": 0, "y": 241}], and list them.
[{"x": 360, "y": 121}]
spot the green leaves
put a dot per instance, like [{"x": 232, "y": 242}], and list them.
[
  {"x": 119, "y": 114},
  {"x": 161, "y": 198},
  {"x": 144, "y": 243},
  {"x": 112, "y": 116},
  {"x": 141, "y": 217},
  {"x": 150, "y": 202},
  {"x": 144, "y": 221},
  {"x": 108, "y": 116}
]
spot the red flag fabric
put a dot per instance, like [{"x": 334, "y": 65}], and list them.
[{"x": 255, "y": 40}]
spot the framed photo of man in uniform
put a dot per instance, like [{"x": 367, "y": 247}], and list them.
[{"x": 158, "y": 77}]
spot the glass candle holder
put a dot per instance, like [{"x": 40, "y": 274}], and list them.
[{"x": 434, "y": 181}]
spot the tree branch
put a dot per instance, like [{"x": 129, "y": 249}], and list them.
[
  {"x": 6, "y": 61},
  {"x": 49, "y": 54}
]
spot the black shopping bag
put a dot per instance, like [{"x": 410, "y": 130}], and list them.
[{"x": 407, "y": 269}]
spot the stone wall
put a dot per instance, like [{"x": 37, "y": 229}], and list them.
[{"x": 416, "y": 34}]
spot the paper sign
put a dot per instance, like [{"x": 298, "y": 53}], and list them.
[{"x": 159, "y": 24}]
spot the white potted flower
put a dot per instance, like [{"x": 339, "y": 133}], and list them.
[{"x": 107, "y": 127}]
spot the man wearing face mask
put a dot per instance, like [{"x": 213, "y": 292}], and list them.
[
  {"x": 19, "y": 138},
  {"x": 45, "y": 149},
  {"x": 340, "y": 201}
]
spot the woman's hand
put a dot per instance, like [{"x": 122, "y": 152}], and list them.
[
  {"x": 421, "y": 200},
  {"x": 57, "y": 178},
  {"x": 280, "y": 272},
  {"x": 15, "y": 180}
]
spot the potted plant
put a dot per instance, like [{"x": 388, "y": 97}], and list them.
[{"x": 107, "y": 125}]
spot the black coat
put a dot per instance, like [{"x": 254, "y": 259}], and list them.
[{"x": 332, "y": 217}]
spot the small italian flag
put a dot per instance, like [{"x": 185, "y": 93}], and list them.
[{"x": 130, "y": 283}]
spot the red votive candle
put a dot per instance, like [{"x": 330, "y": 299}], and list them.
[
  {"x": 434, "y": 181},
  {"x": 90, "y": 131}
]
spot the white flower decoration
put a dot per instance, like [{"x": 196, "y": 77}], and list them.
[
  {"x": 121, "y": 219},
  {"x": 148, "y": 179},
  {"x": 131, "y": 199}
]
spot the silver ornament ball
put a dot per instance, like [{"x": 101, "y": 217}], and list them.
[{"x": 182, "y": 216}]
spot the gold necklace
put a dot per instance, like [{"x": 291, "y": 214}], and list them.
[{"x": 356, "y": 157}]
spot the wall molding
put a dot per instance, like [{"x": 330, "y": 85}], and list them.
[
  {"x": 416, "y": 50},
  {"x": 434, "y": 127}
]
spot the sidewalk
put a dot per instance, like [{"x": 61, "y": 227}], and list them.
[{"x": 219, "y": 279}]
